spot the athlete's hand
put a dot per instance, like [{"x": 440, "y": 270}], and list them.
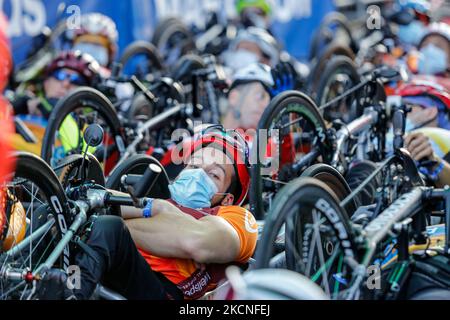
[{"x": 420, "y": 147}]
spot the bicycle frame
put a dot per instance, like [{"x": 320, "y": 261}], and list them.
[
  {"x": 148, "y": 125},
  {"x": 403, "y": 212},
  {"x": 95, "y": 199},
  {"x": 357, "y": 127}
]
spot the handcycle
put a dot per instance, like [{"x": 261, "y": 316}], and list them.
[
  {"x": 310, "y": 231},
  {"x": 316, "y": 228},
  {"x": 299, "y": 136},
  {"x": 53, "y": 218}
]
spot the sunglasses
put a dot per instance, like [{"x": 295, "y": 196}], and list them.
[{"x": 74, "y": 78}]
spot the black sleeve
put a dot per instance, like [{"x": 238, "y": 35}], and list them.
[{"x": 20, "y": 104}]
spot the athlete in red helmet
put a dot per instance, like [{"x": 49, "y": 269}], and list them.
[
  {"x": 177, "y": 248},
  {"x": 430, "y": 104},
  {"x": 428, "y": 127},
  {"x": 5, "y": 54},
  {"x": 6, "y": 162}
]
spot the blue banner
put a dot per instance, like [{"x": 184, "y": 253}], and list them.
[{"x": 294, "y": 20}]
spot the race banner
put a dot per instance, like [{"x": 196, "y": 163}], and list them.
[{"x": 294, "y": 21}]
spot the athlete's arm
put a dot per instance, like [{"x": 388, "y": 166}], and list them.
[
  {"x": 172, "y": 233},
  {"x": 420, "y": 148}
]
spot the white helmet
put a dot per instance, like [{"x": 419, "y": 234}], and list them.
[
  {"x": 97, "y": 24},
  {"x": 269, "y": 284},
  {"x": 438, "y": 28},
  {"x": 262, "y": 39},
  {"x": 256, "y": 72}
]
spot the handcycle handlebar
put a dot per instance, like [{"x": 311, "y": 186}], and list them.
[{"x": 148, "y": 180}]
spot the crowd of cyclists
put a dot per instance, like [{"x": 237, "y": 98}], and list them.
[{"x": 212, "y": 164}]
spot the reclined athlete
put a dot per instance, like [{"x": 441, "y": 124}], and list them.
[{"x": 172, "y": 249}]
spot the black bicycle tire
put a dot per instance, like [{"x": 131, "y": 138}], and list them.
[
  {"x": 140, "y": 101},
  {"x": 142, "y": 47},
  {"x": 308, "y": 109},
  {"x": 174, "y": 27},
  {"x": 97, "y": 101},
  {"x": 161, "y": 27},
  {"x": 342, "y": 21},
  {"x": 332, "y": 67},
  {"x": 318, "y": 67},
  {"x": 93, "y": 168},
  {"x": 188, "y": 63},
  {"x": 37, "y": 171},
  {"x": 306, "y": 191}
]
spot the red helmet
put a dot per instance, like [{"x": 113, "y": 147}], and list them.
[
  {"x": 422, "y": 87},
  {"x": 5, "y": 54},
  {"x": 235, "y": 147},
  {"x": 84, "y": 64}
]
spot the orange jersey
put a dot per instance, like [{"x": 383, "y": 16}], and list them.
[{"x": 194, "y": 279}]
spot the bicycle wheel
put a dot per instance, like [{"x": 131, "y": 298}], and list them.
[
  {"x": 339, "y": 76},
  {"x": 333, "y": 179},
  {"x": 69, "y": 169},
  {"x": 72, "y": 114},
  {"x": 38, "y": 208},
  {"x": 359, "y": 172},
  {"x": 319, "y": 64},
  {"x": 173, "y": 39},
  {"x": 137, "y": 164},
  {"x": 296, "y": 137},
  {"x": 334, "y": 25},
  {"x": 182, "y": 70},
  {"x": 162, "y": 26},
  {"x": 141, "y": 58},
  {"x": 308, "y": 228}
]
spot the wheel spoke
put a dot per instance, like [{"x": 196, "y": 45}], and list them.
[{"x": 320, "y": 251}]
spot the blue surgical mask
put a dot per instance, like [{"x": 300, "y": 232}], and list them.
[
  {"x": 193, "y": 189},
  {"x": 411, "y": 33},
  {"x": 432, "y": 60}
]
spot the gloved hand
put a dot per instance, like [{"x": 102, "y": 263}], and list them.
[{"x": 284, "y": 77}]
